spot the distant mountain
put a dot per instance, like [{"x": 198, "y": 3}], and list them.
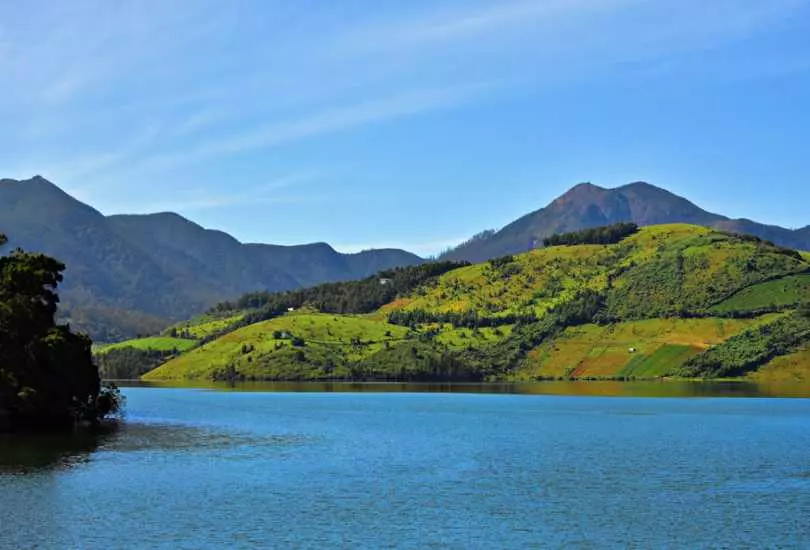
[
  {"x": 131, "y": 274},
  {"x": 587, "y": 205}
]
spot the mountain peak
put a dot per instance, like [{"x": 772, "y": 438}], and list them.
[
  {"x": 587, "y": 205},
  {"x": 27, "y": 197},
  {"x": 579, "y": 192},
  {"x": 639, "y": 185},
  {"x": 647, "y": 190},
  {"x": 37, "y": 179},
  {"x": 585, "y": 187}
]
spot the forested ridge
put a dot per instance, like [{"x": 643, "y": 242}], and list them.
[{"x": 363, "y": 296}]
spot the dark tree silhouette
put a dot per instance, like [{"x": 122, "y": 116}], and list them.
[{"x": 47, "y": 376}]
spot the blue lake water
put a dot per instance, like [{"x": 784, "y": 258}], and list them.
[{"x": 214, "y": 469}]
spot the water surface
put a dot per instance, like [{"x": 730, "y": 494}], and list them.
[{"x": 197, "y": 468}]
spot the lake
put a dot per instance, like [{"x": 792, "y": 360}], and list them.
[{"x": 411, "y": 467}]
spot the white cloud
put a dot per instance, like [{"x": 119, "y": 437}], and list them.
[{"x": 424, "y": 249}]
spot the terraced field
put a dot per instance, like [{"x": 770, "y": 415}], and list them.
[{"x": 637, "y": 349}]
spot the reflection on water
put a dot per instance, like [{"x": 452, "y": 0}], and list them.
[
  {"x": 666, "y": 388},
  {"x": 24, "y": 454}
]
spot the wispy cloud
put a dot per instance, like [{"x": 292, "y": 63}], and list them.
[
  {"x": 108, "y": 93},
  {"x": 194, "y": 200},
  {"x": 421, "y": 248},
  {"x": 473, "y": 21},
  {"x": 324, "y": 122}
]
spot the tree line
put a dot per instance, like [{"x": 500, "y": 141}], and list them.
[
  {"x": 348, "y": 297},
  {"x": 130, "y": 363},
  {"x": 608, "y": 234},
  {"x": 467, "y": 319}
]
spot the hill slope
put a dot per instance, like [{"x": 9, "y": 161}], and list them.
[
  {"x": 665, "y": 300},
  {"x": 587, "y": 205},
  {"x": 135, "y": 274}
]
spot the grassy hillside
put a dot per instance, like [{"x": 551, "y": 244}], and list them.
[
  {"x": 780, "y": 293},
  {"x": 205, "y": 326},
  {"x": 158, "y": 343},
  {"x": 661, "y": 271},
  {"x": 671, "y": 300},
  {"x": 790, "y": 368},
  {"x": 281, "y": 347},
  {"x": 635, "y": 349}
]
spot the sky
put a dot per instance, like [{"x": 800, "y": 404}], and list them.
[{"x": 373, "y": 123}]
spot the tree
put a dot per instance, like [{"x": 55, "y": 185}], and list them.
[
  {"x": 609, "y": 234},
  {"x": 47, "y": 376}
]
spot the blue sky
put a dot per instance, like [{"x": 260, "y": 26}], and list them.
[{"x": 414, "y": 124}]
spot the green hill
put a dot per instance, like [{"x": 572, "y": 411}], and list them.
[{"x": 667, "y": 300}]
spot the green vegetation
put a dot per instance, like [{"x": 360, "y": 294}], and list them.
[
  {"x": 664, "y": 360},
  {"x": 362, "y": 296},
  {"x": 609, "y": 234},
  {"x": 753, "y": 348},
  {"x": 130, "y": 359},
  {"x": 130, "y": 363},
  {"x": 660, "y": 301},
  {"x": 204, "y": 326},
  {"x": 302, "y": 345},
  {"x": 789, "y": 368},
  {"x": 689, "y": 275},
  {"x": 47, "y": 377},
  {"x": 649, "y": 348},
  {"x": 774, "y": 295},
  {"x": 156, "y": 343},
  {"x": 661, "y": 271}
]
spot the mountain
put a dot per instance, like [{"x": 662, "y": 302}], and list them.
[
  {"x": 137, "y": 273},
  {"x": 131, "y": 274},
  {"x": 587, "y": 205},
  {"x": 664, "y": 300}
]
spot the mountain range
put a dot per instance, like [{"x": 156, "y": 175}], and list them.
[
  {"x": 587, "y": 205},
  {"x": 137, "y": 273},
  {"x": 130, "y": 274}
]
